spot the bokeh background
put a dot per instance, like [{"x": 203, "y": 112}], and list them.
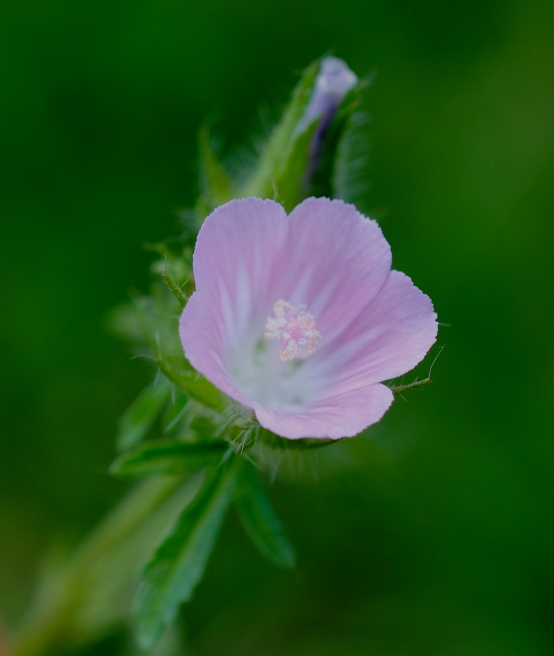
[{"x": 434, "y": 539}]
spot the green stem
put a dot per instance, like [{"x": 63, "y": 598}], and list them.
[
  {"x": 399, "y": 389},
  {"x": 89, "y": 592},
  {"x": 174, "y": 287}
]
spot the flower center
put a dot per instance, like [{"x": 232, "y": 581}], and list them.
[{"x": 293, "y": 327}]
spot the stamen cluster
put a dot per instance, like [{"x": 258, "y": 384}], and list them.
[{"x": 293, "y": 327}]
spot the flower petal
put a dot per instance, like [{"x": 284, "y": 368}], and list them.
[
  {"x": 389, "y": 337},
  {"x": 344, "y": 415},
  {"x": 235, "y": 261},
  {"x": 336, "y": 263},
  {"x": 203, "y": 343}
]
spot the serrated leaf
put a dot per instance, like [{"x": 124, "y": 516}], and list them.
[
  {"x": 271, "y": 165},
  {"x": 169, "y": 457},
  {"x": 142, "y": 413},
  {"x": 261, "y": 522},
  {"x": 178, "y": 564}
]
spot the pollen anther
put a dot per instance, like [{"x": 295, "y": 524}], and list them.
[{"x": 293, "y": 327}]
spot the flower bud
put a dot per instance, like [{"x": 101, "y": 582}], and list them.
[{"x": 333, "y": 82}]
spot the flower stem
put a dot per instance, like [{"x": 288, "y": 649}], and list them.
[
  {"x": 176, "y": 290},
  {"x": 399, "y": 389},
  {"x": 86, "y": 594}
]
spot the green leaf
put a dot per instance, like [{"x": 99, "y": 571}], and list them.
[
  {"x": 203, "y": 426},
  {"x": 177, "y": 566},
  {"x": 260, "y": 521},
  {"x": 215, "y": 183},
  {"x": 142, "y": 413},
  {"x": 275, "y": 157},
  {"x": 169, "y": 457},
  {"x": 177, "y": 416}
]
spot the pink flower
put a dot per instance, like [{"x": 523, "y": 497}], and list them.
[{"x": 300, "y": 317}]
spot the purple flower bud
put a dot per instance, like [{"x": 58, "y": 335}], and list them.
[{"x": 333, "y": 82}]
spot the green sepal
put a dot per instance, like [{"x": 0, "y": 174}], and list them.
[
  {"x": 270, "y": 170},
  {"x": 216, "y": 186},
  {"x": 139, "y": 417},
  {"x": 290, "y": 185},
  {"x": 169, "y": 457},
  {"x": 260, "y": 521},
  {"x": 178, "y": 564},
  {"x": 342, "y": 168},
  {"x": 350, "y": 170}
]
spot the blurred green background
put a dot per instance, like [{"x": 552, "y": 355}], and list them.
[{"x": 439, "y": 541}]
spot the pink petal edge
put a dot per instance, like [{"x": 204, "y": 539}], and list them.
[
  {"x": 345, "y": 415},
  {"x": 391, "y": 336}
]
